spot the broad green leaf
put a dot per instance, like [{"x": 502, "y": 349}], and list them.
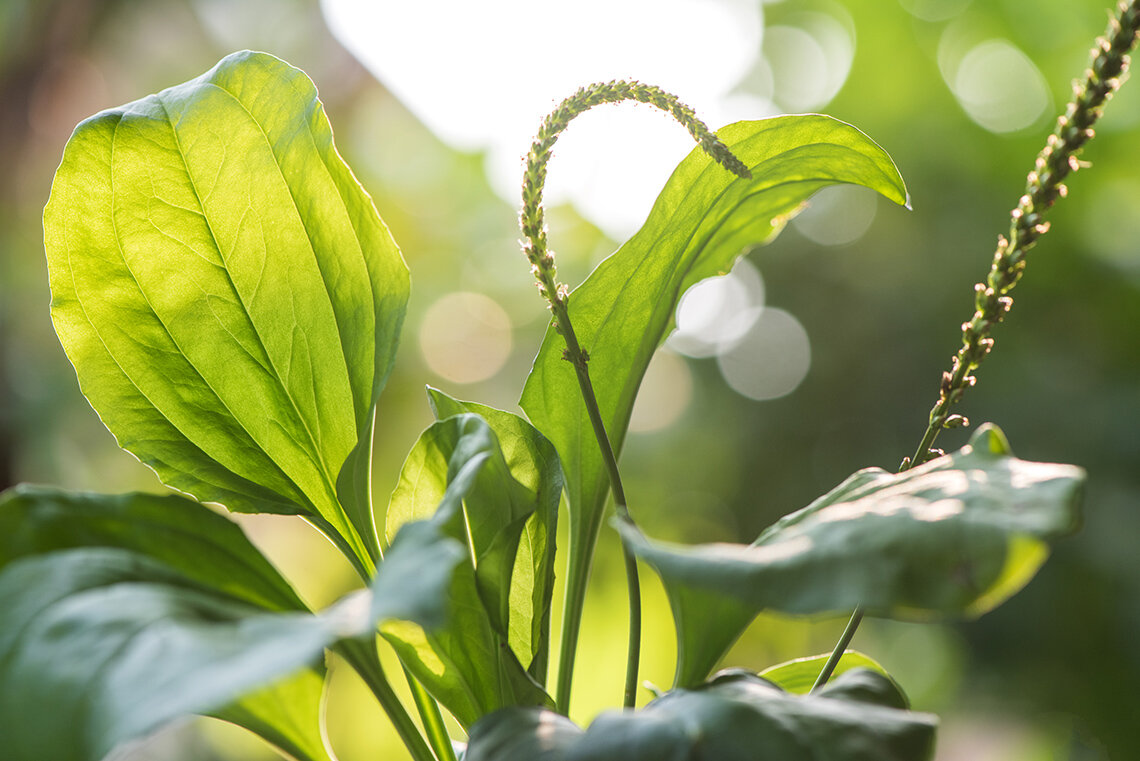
[
  {"x": 101, "y": 645},
  {"x": 458, "y": 472},
  {"x": 114, "y": 635},
  {"x": 197, "y": 543},
  {"x": 704, "y": 219},
  {"x": 799, "y": 675},
  {"x": 532, "y": 461},
  {"x": 956, "y": 536},
  {"x": 228, "y": 294},
  {"x": 737, "y": 716},
  {"x": 178, "y": 532}
]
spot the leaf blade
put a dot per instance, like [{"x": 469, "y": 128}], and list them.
[
  {"x": 228, "y": 294},
  {"x": 697, "y": 228},
  {"x": 953, "y": 537}
]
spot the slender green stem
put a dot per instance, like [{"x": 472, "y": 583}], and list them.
[
  {"x": 1043, "y": 186},
  {"x": 840, "y": 649},
  {"x": 532, "y": 220},
  {"x": 362, "y": 656},
  {"x": 432, "y": 719},
  {"x": 579, "y": 359}
]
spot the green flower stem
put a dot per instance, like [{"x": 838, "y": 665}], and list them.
[
  {"x": 532, "y": 220},
  {"x": 1043, "y": 186},
  {"x": 840, "y": 648},
  {"x": 579, "y": 359},
  {"x": 432, "y": 719},
  {"x": 362, "y": 656}
]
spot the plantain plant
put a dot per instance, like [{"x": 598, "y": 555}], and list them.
[{"x": 232, "y": 304}]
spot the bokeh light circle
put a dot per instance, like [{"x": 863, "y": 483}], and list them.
[
  {"x": 837, "y": 215},
  {"x": 1000, "y": 88},
  {"x": 465, "y": 337},
  {"x": 716, "y": 313},
  {"x": 771, "y": 360},
  {"x": 665, "y": 393}
]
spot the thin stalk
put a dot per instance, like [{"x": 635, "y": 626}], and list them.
[
  {"x": 532, "y": 220},
  {"x": 432, "y": 719},
  {"x": 367, "y": 658},
  {"x": 840, "y": 648},
  {"x": 362, "y": 656},
  {"x": 577, "y": 357},
  {"x": 1109, "y": 62}
]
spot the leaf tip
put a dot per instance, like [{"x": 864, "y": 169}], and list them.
[{"x": 990, "y": 439}]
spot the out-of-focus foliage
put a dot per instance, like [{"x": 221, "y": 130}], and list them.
[{"x": 1051, "y": 669}]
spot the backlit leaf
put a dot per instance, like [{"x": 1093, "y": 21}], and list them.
[
  {"x": 532, "y": 461},
  {"x": 457, "y": 473},
  {"x": 228, "y": 294},
  {"x": 702, "y": 221}
]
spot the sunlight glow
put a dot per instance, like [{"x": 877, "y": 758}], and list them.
[
  {"x": 465, "y": 337},
  {"x": 483, "y": 75},
  {"x": 999, "y": 87}
]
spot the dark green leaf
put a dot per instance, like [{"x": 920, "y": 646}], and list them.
[
  {"x": 532, "y": 461},
  {"x": 100, "y": 645},
  {"x": 228, "y": 295},
  {"x": 955, "y": 536},
  {"x": 111, "y": 628},
  {"x": 458, "y": 472},
  {"x": 197, "y": 543},
  {"x": 178, "y": 532},
  {"x": 737, "y": 716},
  {"x": 703, "y": 220}
]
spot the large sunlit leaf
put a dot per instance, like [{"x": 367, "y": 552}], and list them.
[
  {"x": 122, "y": 613},
  {"x": 956, "y": 536},
  {"x": 228, "y": 294},
  {"x": 532, "y": 461},
  {"x": 703, "y": 220},
  {"x": 737, "y": 716},
  {"x": 457, "y": 473}
]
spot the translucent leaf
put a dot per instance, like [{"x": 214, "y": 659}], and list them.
[
  {"x": 228, "y": 294},
  {"x": 532, "y": 461},
  {"x": 799, "y": 675},
  {"x": 457, "y": 472},
  {"x": 702, "y": 221}
]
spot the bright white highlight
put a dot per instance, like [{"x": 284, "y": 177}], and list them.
[
  {"x": 717, "y": 312},
  {"x": 483, "y": 75}
]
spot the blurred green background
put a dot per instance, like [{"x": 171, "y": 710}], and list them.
[{"x": 878, "y": 292}]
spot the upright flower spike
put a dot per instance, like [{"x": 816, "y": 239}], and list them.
[{"x": 1043, "y": 186}]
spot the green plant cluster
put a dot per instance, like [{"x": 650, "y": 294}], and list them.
[{"x": 232, "y": 303}]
